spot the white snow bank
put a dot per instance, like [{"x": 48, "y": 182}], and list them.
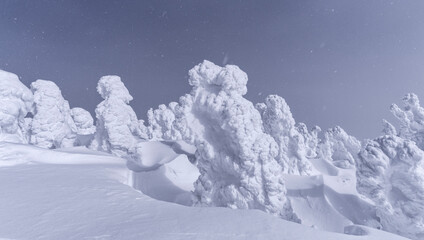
[
  {"x": 52, "y": 125},
  {"x": 15, "y": 102},
  {"x": 92, "y": 201},
  {"x": 152, "y": 155},
  {"x": 171, "y": 182}
]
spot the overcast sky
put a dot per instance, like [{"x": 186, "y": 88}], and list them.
[{"x": 335, "y": 62}]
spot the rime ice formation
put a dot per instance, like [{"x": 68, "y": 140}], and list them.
[
  {"x": 411, "y": 119},
  {"x": 117, "y": 128},
  {"x": 236, "y": 158},
  {"x": 52, "y": 125},
  {"x": 339, "y": 148},
  {"x": 388, "y": 128},
  {"x": 15, "y": 102},
  {"x": 390, "y": 171},
  {"x": 85, "y": 128},
  {"x": 161, "y": 123},
  {"x": 280, "y": 124}
]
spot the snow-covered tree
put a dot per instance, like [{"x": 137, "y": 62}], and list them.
[
  {"x": 162, "y": 121},
  {"x": 279, "y": 123},
  {"x": 236, "y": 158},
  {"x": 15, "y": 102},
  {"x": 390, "y": 171},
  {"x": 411, "y": 119},
  {"x": 52, "y": 125},
  {"x": 339, "y": 148},
  {"x": 85, "y": 128},
  {"x": 117, "y": 128}
]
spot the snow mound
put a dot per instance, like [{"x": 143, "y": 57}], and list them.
[
  {"x": 170, "y": 182},
  {"x": 15, "y": 102}
]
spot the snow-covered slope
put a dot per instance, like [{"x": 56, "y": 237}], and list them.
[{"x": 76, "y": 193}]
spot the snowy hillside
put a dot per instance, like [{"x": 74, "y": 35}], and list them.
[
  {"x": 81, "y": 194},
  {"x": 211, "y": 166}
]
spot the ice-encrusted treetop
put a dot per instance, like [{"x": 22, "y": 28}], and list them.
[
  {"x": 112, "y": 87},
  {"x": 277, "y": 115},
  {"x": 11, "y": 86},
  {"x": 411, "y": 119},
  {"x": 229, "y": 79}
]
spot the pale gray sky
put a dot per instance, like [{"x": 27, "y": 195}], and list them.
[{"x": 336, "y": 62}]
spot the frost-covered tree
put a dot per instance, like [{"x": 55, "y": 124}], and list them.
[
  {"x": 162, "y": 121},
  {"x": 236, "y": 158},
  {"x": 117, "y": 128},
  {"x": 311, "y": 139},
  {"x": 339, "y": 148},
  {"x": 411, "y": 119},
  {"x": 85, "y": 128},
  {"x": 390, "y": 171},
  {"x": 15, "y": 102},
  {"x": 278, "y": 122},
  {"x": 52, "y": 125}
]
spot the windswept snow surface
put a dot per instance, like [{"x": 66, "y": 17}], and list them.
[{"x": 82, "y": 194}]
